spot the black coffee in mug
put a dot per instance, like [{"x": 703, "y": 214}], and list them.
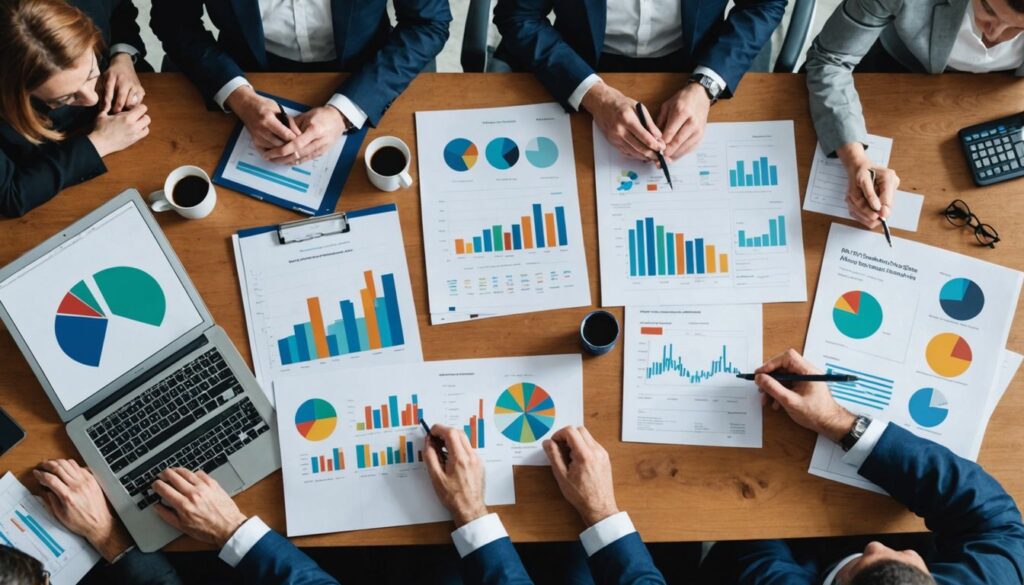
[
  {"x": 600, "y": 329},
  {"x": 190, "y": 191},
  {"x": 388, "y": 161}
]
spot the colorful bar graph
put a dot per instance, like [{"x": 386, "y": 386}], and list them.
[
  {"x": 539, "y": 230},
  {"x": 380, "y": 325},
  {"x": 41, "y": 533},
  {"x": 401, "y": 454},
  {"x": 475, "y": 428},
  {"x": 655, "y": 251},
  {"x": 775, "y": 237},
  {"x": 389, "y": 416},
  {"x": 761, "y": 174},
  {"x": 335, "y": 461},
  {"x": 670, "y": 364}
]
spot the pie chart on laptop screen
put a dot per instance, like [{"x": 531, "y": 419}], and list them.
[{"x": 82, "y": 321}]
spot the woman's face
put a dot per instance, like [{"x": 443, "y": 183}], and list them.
[
  {"x": 75, "y": 86},
  {"x": 997, "y": 20}
]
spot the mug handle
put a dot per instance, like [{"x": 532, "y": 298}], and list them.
[
  {"x": 405, "y": 179},
  {"x": 158, "y": 201}
]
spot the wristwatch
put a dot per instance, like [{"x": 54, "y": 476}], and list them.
[
  {"x": 860, "y": 425},
  {"x": 711, "y": 87}
]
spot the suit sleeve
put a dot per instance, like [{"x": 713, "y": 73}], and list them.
[
  {"x": 755, "y": 562},
  {"x": 496, "y": 563},
  {"x": 533, "y": 43},
  {"x": 977, "y": 526},
  {"x": 179, "y": 26},
  {"x": 848, "y": 35},
  {"x": 746, "y": 31},
  {"x": 625, "y": 562},
  {"x": 274, "y": 560},
  {"x": 136, "y": 568},
  {"x": 124, "y": 26},
  {"x": 419, "y": 36},
  {"x": 28, "y": 183}
]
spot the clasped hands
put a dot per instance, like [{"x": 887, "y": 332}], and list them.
[{"x": 306, "y": 136}]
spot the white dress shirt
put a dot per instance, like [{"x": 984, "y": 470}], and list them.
[
  {"x": 641, "y": 29},
  {"x": 486, "y": 529},
  {"x": 303, "y": 31},
  {"x": 971, "y": 55},
  {"x": 242, "y": 541}
]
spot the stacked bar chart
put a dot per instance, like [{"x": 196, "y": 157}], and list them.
[
  {"x": 775, "y": 237},
  {"x": 401, "y": 454},
  {"x": 761, "y": 174},
  {"x": 475, "y": 428},
  {"x": 335, "y": 461},
  {"x": 540, "y": 229},
  {"x": 673, "y": 365},
  {"x": 655, "y": 251},
  {"x": 380, "y": 325},
  {"x": 389, "y": 416}
]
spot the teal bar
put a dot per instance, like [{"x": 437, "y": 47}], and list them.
[
  {"x": 499, "y": 242},
  {"x": 310, "y": 342},
  {"x": 380, "y": 307},
  {"x": 293, "y": 348},
  {"x": 782, "y": 229},
  {"x": 670, "y": 244},
  {"x": 337, "y": 329},
  {"x": 773, "y": 230},
  {"x": 743, "y": 238},
  {"x": 364, "y": 338},
  {"x": 660, "y": 239}
]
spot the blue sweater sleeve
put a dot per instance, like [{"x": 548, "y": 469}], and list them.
[
  {"x": 978, "y": 529},
  {"x": 746, "y": 30},
  {"x": 496, "y": 563},
  {"x": 625, "y": 562},
  {"x": 274, "y": 560}
]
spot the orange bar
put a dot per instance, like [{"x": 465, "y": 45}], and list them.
[
  {"x": 652, "y": 186},
  {"x": 481, "y": 409},
  {"x": 527, "y": 224},
  {"x": 323, "y": 463},
  {"x": 316, "y": 321},
  {"x": 651, "y": 330},
  {"x": 472, "y": 432},
  {"x": 460, "y": 246},
  {"x": 508, "y": 241},
  {"x": 369, "y": 312},
  {"x": 709, "y": 259},
  {"x": 369, "y": 418},
  {"x": 383, "y": 458},
  {"x": 366, "y": 456},
  {"x": 469, "y": 248},
  {"x": 405, "y": 418},
  {"x": 384, "y": 418},
  {"x": 550, "y": 237},
  {"x": 341, "y": 460},
  {"x": 723, "y": 262},
  {"x": 680, "y": 255},
  {"x": 330, "y": 464},
  {"x": 401, "y": 449}
]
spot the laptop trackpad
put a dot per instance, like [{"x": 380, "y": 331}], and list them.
[{"x": 228, "y": 479}]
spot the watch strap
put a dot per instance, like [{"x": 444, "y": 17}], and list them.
[{"x": 860, "y": 426}]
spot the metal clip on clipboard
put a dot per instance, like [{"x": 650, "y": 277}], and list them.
[{"x": 312, "y": 228}]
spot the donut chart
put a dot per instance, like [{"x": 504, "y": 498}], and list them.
[
  {"x": 524, "y": 412},
  {"x": 949, "y": 355},
  {"x": 316, "y": 419},
  {"x": 962, "y": 299},
  {"x": 502, "y": 153}
]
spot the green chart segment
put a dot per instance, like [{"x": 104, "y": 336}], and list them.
[
  {"x": 80, "y": 325},
  {"x": 524, "y": 412},
  {"x": 857, "y": 314}
]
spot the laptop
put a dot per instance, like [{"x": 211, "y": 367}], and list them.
[{"x": 131, "y": 359}]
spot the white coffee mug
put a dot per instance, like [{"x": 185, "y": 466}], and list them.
[
  {"x": 164, "y": 200},
  {"x": 394, "y": 182}
]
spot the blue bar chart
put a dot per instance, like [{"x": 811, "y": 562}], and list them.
[
  {"x": 539, "y": 229},
  {"x": 775, "y": 237},
  {"x": 671, "y": 364},
  {"x": 760, "y": 173},
  {"x": 655, "y": 251}
]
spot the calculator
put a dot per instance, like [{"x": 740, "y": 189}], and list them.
[{"x": 995, "y": 150}]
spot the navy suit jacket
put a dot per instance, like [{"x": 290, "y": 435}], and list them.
[
  {"x": 383, "y": 61},
  {"x": 564, "y": 54},
  {"x": 978, "y": 531},
  {"x": 274, "y": 560}
]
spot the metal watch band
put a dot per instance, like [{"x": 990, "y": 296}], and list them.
[
  {"x": 860, "y": 425},
  {"x": 710, "y": 86}
]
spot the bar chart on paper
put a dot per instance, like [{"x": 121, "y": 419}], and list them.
[
  {"x": 328, "y": 463},
  {"x": 655, "y": 251},
  {"x": 402, "y": 452},
  {"x": 755, "y": 173},
  {"x": 389, "y": 415},
  {"x": 475, "y": 428},
  {"x": 539, "y": 229},
  {"x": 774, "y": 237}
]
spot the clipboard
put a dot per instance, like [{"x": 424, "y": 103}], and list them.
[{"x": 332, "y": 191}]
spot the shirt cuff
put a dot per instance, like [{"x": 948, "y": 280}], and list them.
[
  {"x": 865, "y": 444},
  {"x": 581, "y": 90},
  {"x": 221, "y": 96},
  {"x": 242, "y": 541},
  {"x": 606, "y": 532},
  {"x": 348, "y": 108},
  {"x": 126, "y": 49},
  {"x": 702, "y": 70},
  {"x": 477, "y": 534}
]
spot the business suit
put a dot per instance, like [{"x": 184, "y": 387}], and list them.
[
  {"x": 979, "y": 535},
  {"x": 919, "y": 34},
  {"x": 564, "y": 54},
  {"x": 274, "y": 560},
  {"x": 383, "y": 61},
  {"x": 134, "y": 568}
]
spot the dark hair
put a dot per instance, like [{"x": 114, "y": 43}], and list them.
[
  {"x": 892, "y": 573},
  {"x": 17, "y": 568},
  {"x": 1017, "y": 5}
]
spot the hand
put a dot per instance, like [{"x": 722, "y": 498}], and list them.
[
  {"x": 121, "y": 87},
  {"x": 684, "y": 117},
  {"x": 320, "y": 129},
  {"x": 459, "y": 481},
  {"x": 869, "y": 201},
  {"x": 259, "y": 115},
  {"x": 117, "y": 132},
  {"x": 583, "y": 471},
  {"x": 197, "y": 506},
  {"x": 74, "y": 497},
  {"x": 809, "y": 404},
  {"x": 615, "y": 115}
]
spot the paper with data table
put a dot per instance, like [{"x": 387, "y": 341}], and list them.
[
  {"x": 729, "y": 232},
  {"x": 30, "y": 528},
  {"x": 923, "y": 328},
  {"x": 679, "y": 379},
  {"x": 351, "y": 442},
  {"x": 501, "y": 214},
  {"x": 335, "y": 302}
]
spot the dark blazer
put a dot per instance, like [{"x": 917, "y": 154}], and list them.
[
  {"x": 564, "y": 54},
  {"x": 383, "y": 61},
  {"x": 979, "y": 536},
  {"x": 118, "y": 20},
  {"x": 274, "y": 560},
  {"x": 134, "y": 568}
]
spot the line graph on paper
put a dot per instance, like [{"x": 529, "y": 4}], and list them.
[{"x": 676, "y": 358}]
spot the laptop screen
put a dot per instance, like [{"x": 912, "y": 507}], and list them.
[{"x": 98, "y": 305}]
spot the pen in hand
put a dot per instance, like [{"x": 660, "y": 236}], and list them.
[
  {"x": 435, "y": 442},
  {"x": 660, "y": 154},
  {"x": 785, "y": 378},
  {"x": 885, "y": 224}
]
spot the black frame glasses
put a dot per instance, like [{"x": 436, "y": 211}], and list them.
[{"x": 960, "y": 215}]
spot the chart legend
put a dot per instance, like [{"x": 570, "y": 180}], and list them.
[
  {"x": 655, "y": 251},
  {"x": 389, "y": 416},
  {"x": 539, "y": 230},
  {"x": 775, "y": 237}
]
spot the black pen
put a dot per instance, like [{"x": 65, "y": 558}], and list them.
[
  {"x": 661, "y": 156},
  {"x": 885, "y": 224},
  {"x": 438, "y": 443},
  {"x": 282, "y": 116},
  {"x": 805, "y": 378}
]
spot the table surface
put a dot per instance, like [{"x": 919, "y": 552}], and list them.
[{"x": 673, "y": 493}]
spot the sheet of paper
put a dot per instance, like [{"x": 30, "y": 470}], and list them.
[
  {"x": 679, "y": 382},
  {"x": 826, "y": 188},
  {"x": 351, "y": 441},
  {"x": 923, "y": 328},
  {"x": 729, "y": 232},
  {"x": 501, "y": 216},
  {"x": 27, "y": 526},
  {"x": 336, "y": 302}
]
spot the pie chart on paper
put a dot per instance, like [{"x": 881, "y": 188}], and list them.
[
  {"x": 857, "y": 314},
  {"x": 948, "y": 355},
  {"x": 524, "y": 412},
  {"x": 962, "y": 299},
  {"x": 316, "y": 419},
  {"x": 502, "y": 153},
  {"x": 542, "y": 152},
  {"x": 460, "y": 155},
  {"x": 928, "y": 407}
]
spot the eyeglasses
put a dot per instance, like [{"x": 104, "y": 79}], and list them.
[{"x": 958, "y": 214}]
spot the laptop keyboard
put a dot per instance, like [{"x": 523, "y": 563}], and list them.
[{"x": 164, "y": 410}]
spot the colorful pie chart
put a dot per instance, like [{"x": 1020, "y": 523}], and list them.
[
  {"x": 948, "y": 355},
  {"x": 857, "y": 314},
  {"x": 502, "y": 153},
  {"x": 542, "y": 152},
  {"x": 524, "y": 412},
  {"x": 928, "y": 407},
  {"x": 315, "y": 419},
  {"x": 962, "y": 299},
  {"x": 460, "y": 155}
]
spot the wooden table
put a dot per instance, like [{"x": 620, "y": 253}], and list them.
[{"x": 672, "y": 492}]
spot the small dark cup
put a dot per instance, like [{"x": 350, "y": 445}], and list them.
[{"x": 598, "y": 332}]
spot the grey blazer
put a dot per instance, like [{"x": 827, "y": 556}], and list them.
[{"x": 917, "y": 33}]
